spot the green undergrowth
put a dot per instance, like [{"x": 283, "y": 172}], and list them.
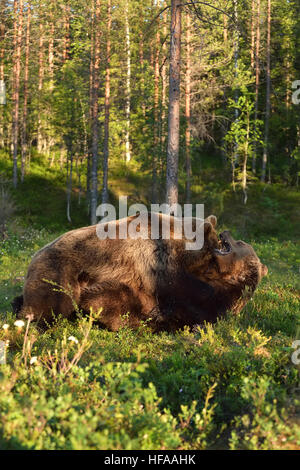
[{"x": 231, "y": 385}]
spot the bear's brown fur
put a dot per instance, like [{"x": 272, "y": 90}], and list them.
[{"x": 157, "y": 281}]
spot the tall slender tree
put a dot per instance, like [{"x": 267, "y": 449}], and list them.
[
  {"x": 18, "y": 29},
  {"x": 106, "y": 108},
  {"x": 188, "y": 109},
  {"x": 95, "y": 110},
  {"x": 25, "y": 104},
  {"x": 257, "y": 78},
  {"x": 128, "y": 83},
  {"x": 41, "y": 73},
  {"x": 268, "y": 96},
  {"x": 174, "y": 104},
  {"x": 2, "y": 54},
  {"x": 156, "y": 114}
]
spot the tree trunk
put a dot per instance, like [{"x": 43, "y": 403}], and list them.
[
  {"x": 94, "y": 113},
  {"x": 268, "y": 94},
  {"x": 69, "y": 184},
  {"x": 18, "y": 28},
  {"x": 25, "y": 104},
  {"x": 2, "y": 51},
  {"x": 188, "y": 109},
  {"x": 40, "y": 82},
  {"x": 257, "y": 75},
  {"x": 244, "y": 168},
  {"x": 128, "y": 84},
  {"x": 106, "y": 109},
  {"x": 225, "y": 28},
  {"x": 236, "y": 91},
  {"x": 92, "y": 58},
  {"x": 174, "y": 105},
  {"x": 51, "y": 53},
  {"x": 163, "y": 88},
  {"x": 252, "y": 51},
  {"x": 142, "y": 81},
  {"x": 66, "y": 32},
  {"x": 156, "y": 118}
]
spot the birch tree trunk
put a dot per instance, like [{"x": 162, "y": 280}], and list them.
[
  {"x": 174, "y": 105},
  {"x": 268, "y": 93},
  {"x": 18, "y": 29},
  {"x": 128, "y": 84},
  {"x": 94, "y": 114},
  {"x": 106, "y": 109}
]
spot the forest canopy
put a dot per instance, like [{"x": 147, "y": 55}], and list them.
[{"x": 168, "y": 86}]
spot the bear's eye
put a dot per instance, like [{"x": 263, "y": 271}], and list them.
[{"x": 240, "y": 243}]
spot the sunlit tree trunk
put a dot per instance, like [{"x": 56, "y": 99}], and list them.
[
  {"x": 252, "y": 50},
  {"x": 128, "y": 84},
  {"x": 188, "y": 109},
  {"x": 106, "y": 109},
  {"x": 92, "y": 57},
  {"x": 174, "y": 104},
  {"x": 163, "y": 86},
  {"x": 69, "y": 181},
  {"x": 225, "y": 28},
  {"x": 236, "y": 91},
  {"x": 40, "y": 83},
  {"x": 51, "y": 52},
  {"x": 18, "y": 29},
  {"x": 268, "y": 93},
  {"x": 245, "y": 159},
  {"x": 142, "y": 81},
  {"x": 25, "y": 104},
  {"x": 94, "y": 113},
  {"x": 66, "y": 43},
  {"x": 156, "y": 118},
  {"x": 257, "y": 78},
  {"x": 2, "y": 36}
]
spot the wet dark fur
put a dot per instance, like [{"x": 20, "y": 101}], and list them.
[{"x": 156, "y": 281}]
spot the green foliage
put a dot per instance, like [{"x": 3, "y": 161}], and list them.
[{"x": 228, "y": 385}]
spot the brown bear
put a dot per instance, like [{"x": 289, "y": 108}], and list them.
[{"x": 154, "y": 280}]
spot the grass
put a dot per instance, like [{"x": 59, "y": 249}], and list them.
[{"x": 231, "y": 385}]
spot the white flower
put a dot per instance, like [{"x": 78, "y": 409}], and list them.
[
  {"x": 72, "y": 338},
  {"x": 5, "y": 326},
  {"x": 19, "y": 323},
  {"x": 33, "y": 360}
]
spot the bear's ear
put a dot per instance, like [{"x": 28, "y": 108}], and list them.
[
  {"x": 264, "y": 270},
  {"x": 212, "y": 219}
]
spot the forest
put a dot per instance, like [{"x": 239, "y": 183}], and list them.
[{"x": 162, "y": 101}]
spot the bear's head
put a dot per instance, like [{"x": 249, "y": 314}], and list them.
[
  {"x": 230, "y": 266},
  {"x": 237, "y": 259}
]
